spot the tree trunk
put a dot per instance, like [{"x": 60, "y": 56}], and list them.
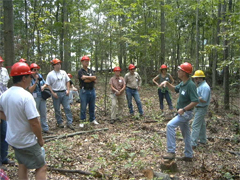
[
  {"x": 162, "y": 58},
  {"x": 197, "y": 37},
  {"x": 217, "y": 40},
  {"x": 226, "y": 56},
  {"x": 8, "y": 33}
]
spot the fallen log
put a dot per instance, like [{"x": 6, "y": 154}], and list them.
[
  {"x": 94, "y": 174},
  {"x": 74, "y": 134}
]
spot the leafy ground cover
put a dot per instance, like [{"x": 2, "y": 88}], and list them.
[{"x": 134, "y": 144}]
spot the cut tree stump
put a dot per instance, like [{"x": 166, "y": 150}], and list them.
[
  {"x": 169, "y": 165},
  {"x": 72, "y": 134}
]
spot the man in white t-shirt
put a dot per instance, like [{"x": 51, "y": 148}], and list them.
[
  {"x": 24, "y": 134},
  {"x": 58, "y": 83}
]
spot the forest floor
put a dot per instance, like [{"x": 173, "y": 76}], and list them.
[{"x": 124, "y": 149}]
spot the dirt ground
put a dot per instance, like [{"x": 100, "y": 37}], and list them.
[{"x": 124, "y": 149}]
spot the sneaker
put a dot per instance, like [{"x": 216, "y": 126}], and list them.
[
  {"x": 61, "y": 125},
  {"x": 169, "y": 156},
  {"x": 188, "y": 159},
  {"x": 95, "y": 122},
  {"x": 47, "y": 132},
  {"x": 70, "y": 126},
  {"x": 112, "y": 121},
  {"x": 81, "y": 125}
]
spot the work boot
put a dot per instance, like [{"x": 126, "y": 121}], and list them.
[
  {"x": 61, "y": 125},
  {"x": 70, "y": 126},
  {"x": 169, "y": 156},
  {"x": 187, "y": 159}
]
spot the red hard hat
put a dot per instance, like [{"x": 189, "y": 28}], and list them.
[
  {"x": 55, "y": 61},
  {"x": 20, "y": 68},
  {"x": 22, "y": 60},
  {"x": 163, "y": 66},
  {"x": 1, "y": 59},
  {"x": 85, "y": 58},
  {"x": 186, "y": 67},
  {"x": 69, "y": 75},
  {"x": 34, "y": 65},
  {"x": 131, "y": 66},
  {"x": 117, "y": 69}
]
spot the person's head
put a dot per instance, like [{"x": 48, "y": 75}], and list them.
[
  {"x": 70, "y": 76},
  {"x": 85, "y": 61},
  {"x": 163, "y": 69},
  {"x": 117, "y": 70},
  {"x": 1, "y": 61},
  {"x": 21, "y": 74},
  {"x": 131, "y": 68},
  {"x": 185, "y": 70},
  {"x": 198, "y": 76},
  {"x": 56, "y": 64},
  {"x": 23, "y": 60},
  {"x": 34, "y": 68}
]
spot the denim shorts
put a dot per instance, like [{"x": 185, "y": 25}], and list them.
[{"x": 32, "y": 157}]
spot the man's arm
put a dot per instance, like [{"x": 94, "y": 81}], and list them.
[
  {"x": 167, "y": 84},
  {"x": 68, "y": 88},
  {"x": 188, "y": 107},
  {"x": 88, "y": 79},
  {"x": 37, "y": 129},
  {"x": 2, "y": 115},
  {"x": 53, "y": 93}
]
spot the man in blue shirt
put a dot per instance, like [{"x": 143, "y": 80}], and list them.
[{"x": 199, "y": 124}]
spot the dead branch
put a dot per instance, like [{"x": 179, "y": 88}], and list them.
[
  {"x": 73, "y": 134},
  {"x": 233, "y": 152},
  {"x": 95, "y": 174}
]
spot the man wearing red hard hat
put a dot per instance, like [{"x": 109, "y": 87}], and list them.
[
  {"x": 117, "y": 85},
  {"x": 133, "y": 84},
  {"x": 58, "y": 83},
  {"x": 18, "y": 108},
  {"x": 188, "y": 99},
  {"x": 87, "y": 93}
]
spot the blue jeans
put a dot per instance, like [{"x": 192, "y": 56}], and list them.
[
  {"x": 41, "y": 107},
  {"x": 4, "y": 144},
  {"x": 133, "y": 93},
  {"x": 199, "y": 126},
  {"x": 168, "y": 99},
  {"x": 87, "y": 97},
  {"x": 71, "y": 94},
  {"x": 183, "y": 122},
  {"x": 64, "y": 100}
]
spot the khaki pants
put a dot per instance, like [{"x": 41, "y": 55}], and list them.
[{"x": 117, "y": 100}]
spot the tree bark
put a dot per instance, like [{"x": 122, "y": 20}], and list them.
[
  {"x": 8, "y": 33},
  {"x": 197, "y": 37}
]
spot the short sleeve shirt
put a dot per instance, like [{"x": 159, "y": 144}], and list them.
[
  {"x": 57, "y": 80},
  {"x": 187, "y": 93},
  {"x": 117, "y": 83},
  {"x": 204, "y": 91},
  {"x": 82, "y": 84},
  {"x": 19, "y": 107},
  {"x": 133, "y": 80}
]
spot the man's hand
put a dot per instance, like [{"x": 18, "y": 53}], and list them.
[
  {"x": 55, "y": 95},
  {"x": 67, "y": 92},
  {"x": 41, "y": 142},
  {"x": 180, "y": 111}
]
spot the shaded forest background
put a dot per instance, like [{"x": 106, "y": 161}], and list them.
[{"x": 146, "y": 33}]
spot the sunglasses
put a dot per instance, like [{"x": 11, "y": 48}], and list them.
[{"x": 34, "y": 69}]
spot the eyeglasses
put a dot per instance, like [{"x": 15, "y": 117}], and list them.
[{"x": 34, "y": 69}]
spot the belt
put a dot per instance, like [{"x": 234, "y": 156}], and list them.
[
  {"x": 201, "y": 106},
  {"x": 89, "y": 88},
  {"x": 60, "y": 91},
  {"x": 131, "y": 88}
]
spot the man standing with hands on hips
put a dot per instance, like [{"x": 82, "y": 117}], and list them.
[
  {"x": 133, "y": 84},
  {"x": 188, "y": 99},
  {"x": 87, "y": 93}
]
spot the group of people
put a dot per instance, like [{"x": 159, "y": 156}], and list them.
[{"x": 20, "y": 109}]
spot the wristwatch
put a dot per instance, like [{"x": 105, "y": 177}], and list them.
[{"x": 184, "y": 110}]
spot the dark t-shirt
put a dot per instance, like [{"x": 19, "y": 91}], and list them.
[
  {"x": 187, "y": 93},
  {"x": 82, "y": 84}
]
